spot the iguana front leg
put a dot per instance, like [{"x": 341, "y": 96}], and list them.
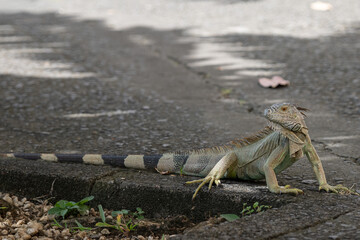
[
  {"x": 314, "y": 159},
  {"x": 275, "y": 158},
  {"x": 227, "y": 162}
]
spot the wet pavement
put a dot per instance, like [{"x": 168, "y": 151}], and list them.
[{"x": 105, "y": 78}]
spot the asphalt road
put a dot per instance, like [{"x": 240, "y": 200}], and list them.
[{"x": 147, "y": 77}]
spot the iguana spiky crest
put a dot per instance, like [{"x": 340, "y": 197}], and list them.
[{"x": 236, "y": 143}]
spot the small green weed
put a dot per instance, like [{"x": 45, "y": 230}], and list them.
[
  {"x": 225, "y": 92},
  {"x": 65, "y": 208},
  {"x": 79, "y": 227},
  {"x": 255, "y": 208},
  {"x": 247, "y": 210},
  {"x": 125, "y": 220},
  {"x": 3, "y": 207}
]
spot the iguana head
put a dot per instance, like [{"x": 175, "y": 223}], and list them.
[{"x": 287, "y": 116}]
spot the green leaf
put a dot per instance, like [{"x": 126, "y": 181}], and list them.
[
  {"x": 230, "y": 217},
  {"x": 83, "y": 209},
  {"x": 81, "y": 227},
  {"x": 61, "y": 203},
  {"x": 63, "y": 213},
  {"x": 132, "y": 226},
  {"x": 79, "y": 224},
  {"x": 115, "y": 213},
  {"x": 87, "y": 199},
  {"x": 57, "y": 224},
  {"x": 55, "y": 211},
  {"x": 103, "y": 224},
  {"x": 125, "y": 212},
  {"x": 102, "y": 214},
  {"x": 256, "y": 204},
  {"x": 122, "y": 212},
  {"x": 70, "y": 204}
]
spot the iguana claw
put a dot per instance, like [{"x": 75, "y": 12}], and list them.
[
  {"x": 210, "y": 179},
  {"x": 337, "y": 189}
]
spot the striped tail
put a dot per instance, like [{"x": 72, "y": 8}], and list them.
[{"x": 125, "y": 161}]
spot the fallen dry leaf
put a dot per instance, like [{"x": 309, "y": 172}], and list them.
[
  {"x": 321, "y": 6},
  {"x": 274, "y": 82}
]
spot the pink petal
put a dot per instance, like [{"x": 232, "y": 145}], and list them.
[
  {"x": 276, "y": 81},
  {"x": 266, "y": 82},
  {"x": 280, "y": 81}
]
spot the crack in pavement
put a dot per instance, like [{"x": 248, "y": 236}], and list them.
[
  {"x": 331, "y": 151},
  {"x": 309, "y": 225}
]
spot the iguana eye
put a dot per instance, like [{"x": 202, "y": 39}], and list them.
[{"x": 284, "y": 108}]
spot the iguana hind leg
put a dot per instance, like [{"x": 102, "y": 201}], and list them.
[{"x": 226, "y": 163}]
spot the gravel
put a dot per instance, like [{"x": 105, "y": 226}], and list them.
[{"x": 28, "y": 219}]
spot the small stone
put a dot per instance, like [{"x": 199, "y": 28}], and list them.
[
  {"x": 4, "y": 232},
  {"x": 16, "y": 201},
  {"x": 44, "y": 218},
  {"x": 56, "y": 233},
  {"x": 65, "y": 232},
  {"x": 20, "y": 222},
  {"x": 48, "y": 233},
  {"x": 82, "y": 234},
  {"x": 9, "y": 237},
  {"x": 102, "y": 238},
  {"x": 21, "y": 234},
  {"x": 15, "y": 225},
  {"x": 309, "y": 181},
  {"x": 93, "y": 212},
  {"x": 140, "y": 237},
  {"x": 33, "y": 228},
  {"x": 8, "y": 199},
  {"x": 105, "y": 231},
  {"x": 27, "y": 205},
  {"x": 47, "y": 208},
  {"x": 338, "y": 236}
]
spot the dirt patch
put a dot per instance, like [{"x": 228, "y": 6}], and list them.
[{"x": 28, "y": 219}]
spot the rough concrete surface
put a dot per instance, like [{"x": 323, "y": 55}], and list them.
[{"x": 147, "y": 77}]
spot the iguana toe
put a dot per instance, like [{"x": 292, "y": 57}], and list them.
[
  {"x": 340, "y": 189},
  {"x": 287, "y": 189},
  {"x": 203, "y": 181}
]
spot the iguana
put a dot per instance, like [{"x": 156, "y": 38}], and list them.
[{"x": 281, "y": 143}]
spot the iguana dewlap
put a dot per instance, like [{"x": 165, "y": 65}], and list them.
[{"x": 260, "y": 156}]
